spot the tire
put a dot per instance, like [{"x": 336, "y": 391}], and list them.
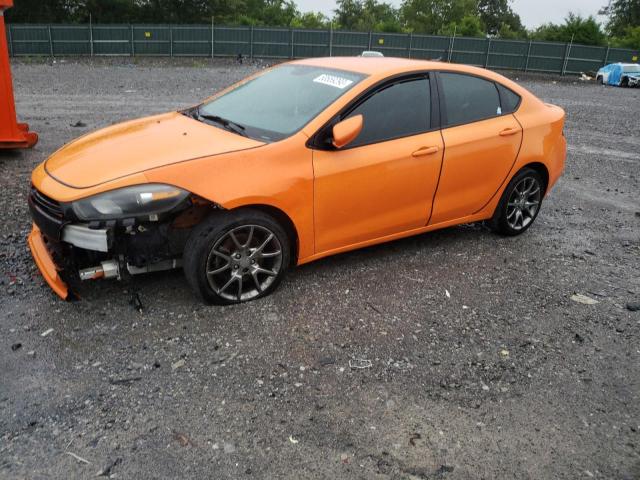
[
  {"x": 524, "y": 195},
  {"x": 236, "y": 256},
  {"x": 600, "y": 80}
]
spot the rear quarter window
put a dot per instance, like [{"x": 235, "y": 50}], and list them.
[{"x": 509, "y": 99}]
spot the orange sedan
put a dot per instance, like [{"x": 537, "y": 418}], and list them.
[{"x": 298, "y": 162}]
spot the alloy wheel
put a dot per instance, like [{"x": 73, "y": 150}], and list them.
[
  {"x": 244, "y": 262},
  {"x": 524, "y": 203}
]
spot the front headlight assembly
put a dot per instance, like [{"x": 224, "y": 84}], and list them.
[{"x": 137, "y": 201}]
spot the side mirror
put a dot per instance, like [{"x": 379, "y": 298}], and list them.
[{"x": 346, "y": 131}]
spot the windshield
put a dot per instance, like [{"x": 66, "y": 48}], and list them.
[
  {"x": 632, "y": 69},
  {"x": 281, "y": 101}
]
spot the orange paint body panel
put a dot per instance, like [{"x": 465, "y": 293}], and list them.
[
  {"x": 12, "y": 133},
  {"x": 45, "y": 263},
  {"x": 477, "y": 160},
  {"x": 165, "y": 139},
  {"x": 375, "y": 190},
  {"x": 336, "y": 199}
]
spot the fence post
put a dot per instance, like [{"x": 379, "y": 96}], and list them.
[
  {"x": 9, "y": 28},
  {"x": 133, "y": 49},
  {"x": 213, "y": 37},
  {"x": 486, "y": 60},
  {"x": 331, "y": 39},
  {"x": 170, "y": 40},
  {"x": 370, "y": 34},
  {"x": 526, "y": 64},
  {"x": 567, "y": 53},
  {"x": 410, "y": 43},
  {"x": 90, "y": 36},
  {"x": 251, "y": 43},
  {"x": 452, "y": 43},
  {"x": 606, "y": 55},
  {"x": 50, "y": 41},
  {"x": 292, "y": 52}
]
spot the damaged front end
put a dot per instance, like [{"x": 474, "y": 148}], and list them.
[{"x": 115, "y": 234}]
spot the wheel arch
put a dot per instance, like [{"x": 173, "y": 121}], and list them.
[
  {"x": 542, "y": 169},
  {"x": 283, "y": 219}
]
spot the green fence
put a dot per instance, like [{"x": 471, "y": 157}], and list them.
[{"x": 213, "y": 40}]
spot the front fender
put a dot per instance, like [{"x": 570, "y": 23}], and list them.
[{"x": 279, "y": 175}]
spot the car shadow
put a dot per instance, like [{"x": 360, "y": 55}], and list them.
[{"x": 171, "y": 287}]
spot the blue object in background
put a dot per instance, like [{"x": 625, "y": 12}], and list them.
[{"x": 617, "y": 74}]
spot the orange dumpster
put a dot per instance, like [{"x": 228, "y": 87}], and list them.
[{"x": 12, "y": 133}]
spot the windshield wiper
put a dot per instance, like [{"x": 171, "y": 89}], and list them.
[{"x": 225, "y": 122}]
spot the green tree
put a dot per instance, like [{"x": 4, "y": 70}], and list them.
[
  {"x": 40, "y": 11},
  {"x": 311, "y": 20},
  {"x": 163, "y": 11},
  {"x": 431, "y": 16},
  {"x": 630, "y": 39},
  {"x": 367, "y": 15},
  {"x": 495, "y": 14},
  {"x": 104, "y": 11},
  {"x": 623, "y": 14},
  {"x": 469, "y": 26},
  {"x": 586, "y": 31},
  {"x": 507, "y": 33},
  {"x": 348, "y": 13}
]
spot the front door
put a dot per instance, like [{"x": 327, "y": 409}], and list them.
[{"x": 384, "y": 181}]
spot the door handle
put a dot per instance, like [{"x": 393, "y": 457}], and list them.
[
  {"x": 421, "y": 152},
  {"x": 509, "y": 131}
]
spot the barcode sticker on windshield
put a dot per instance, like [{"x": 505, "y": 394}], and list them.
[{"x": 333, "y": 81}]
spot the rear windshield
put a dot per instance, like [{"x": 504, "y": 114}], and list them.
[{"x": 282, "y": 100}]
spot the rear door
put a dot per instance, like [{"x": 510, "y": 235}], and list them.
[{"x": 482, "y": 140}]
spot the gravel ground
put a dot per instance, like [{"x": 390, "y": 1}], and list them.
[{"x": 506, "y": 378}]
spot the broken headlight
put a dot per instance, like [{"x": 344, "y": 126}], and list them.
[{"x": 136, "y": 201}]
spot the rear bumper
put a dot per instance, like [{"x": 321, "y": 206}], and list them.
[{"x": 44, "y": 261}]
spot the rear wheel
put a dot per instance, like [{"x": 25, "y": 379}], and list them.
[
  {"x": 520, "y": 203},
  {"x": 234, "y": 257},
  {"x": 600, "y": 80}
]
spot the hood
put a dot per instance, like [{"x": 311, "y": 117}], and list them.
[{"x": 137, "y": 146}]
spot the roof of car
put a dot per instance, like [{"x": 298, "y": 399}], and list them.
[{"x": 379, "y": 65}]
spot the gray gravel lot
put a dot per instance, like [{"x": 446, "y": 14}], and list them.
[{"x": 507, "y": 378}]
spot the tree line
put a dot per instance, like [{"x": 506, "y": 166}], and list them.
[{"x": 470, "y": 18}]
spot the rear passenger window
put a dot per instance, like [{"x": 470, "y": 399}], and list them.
[
  {"x": 469, "y": 99},
  {"x": 510, "y": 100},
  {"x": 399, "y": 110}
]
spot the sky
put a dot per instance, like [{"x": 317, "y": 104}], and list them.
[{"x": 532, "y": 12}]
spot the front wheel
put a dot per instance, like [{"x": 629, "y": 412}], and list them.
[
  {"x": 237, "y": 256},
  {"x": 520, "y": 203}
]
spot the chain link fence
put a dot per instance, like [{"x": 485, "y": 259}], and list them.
[{"x": 284, "y": 43}]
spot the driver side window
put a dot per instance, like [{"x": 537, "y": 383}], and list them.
[{"x": 398, "y": 110}]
